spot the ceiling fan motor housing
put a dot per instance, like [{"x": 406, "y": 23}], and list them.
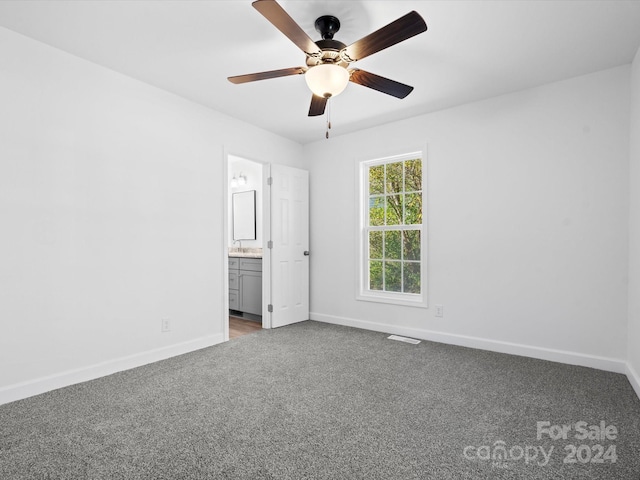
[
  {"x": 327, "y": 26},
  {"x": 330, "y": 54}
]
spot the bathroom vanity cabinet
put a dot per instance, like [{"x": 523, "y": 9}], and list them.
[{"x": 245, "y": 285}]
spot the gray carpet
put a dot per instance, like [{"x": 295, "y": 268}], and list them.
[{"x": 317, "y": 401}]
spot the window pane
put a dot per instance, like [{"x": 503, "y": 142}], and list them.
[
  {"x": 394, "y": 210},
  {"x": 393, "y": 229},
  {"x": 411, "y": 244},
  {"x": 392, "y": 245},
  {"x": 375, "y": 275},
  {"x": 393, "y": 276},
  {"x": 375, "y": 245},
  {"x": 411, "y": 274},
  {"x": 413, "y": 175},
  {"x": 413, "y": 209},
  {"x": 376, "y": 180},
  {"x": 394, "y": 177},
  {"x": 376, "y": 211}
]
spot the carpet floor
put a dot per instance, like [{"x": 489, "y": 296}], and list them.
[{"x": 318, "y": 401}]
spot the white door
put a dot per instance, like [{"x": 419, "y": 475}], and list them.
[{"x": 290, "y": 247}]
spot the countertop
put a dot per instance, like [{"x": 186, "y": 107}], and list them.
[{"x": 245, "y": 252}]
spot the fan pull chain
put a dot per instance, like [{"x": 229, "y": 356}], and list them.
[{"x": 328, "y": 117}]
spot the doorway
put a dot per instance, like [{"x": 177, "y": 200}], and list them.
[
  {"x": 266, "y": 274},
  {"x": 245, "y": 246}
]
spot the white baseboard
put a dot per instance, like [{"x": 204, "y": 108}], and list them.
[
  {"x": 64, "y": 379},
  {"x": 634, "y": 379},
  {"x": 561, "y": 356}
]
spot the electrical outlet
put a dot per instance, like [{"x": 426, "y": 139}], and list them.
[
  {"x": 439, "y": 311},
  {"x": 165, "y": 325}
]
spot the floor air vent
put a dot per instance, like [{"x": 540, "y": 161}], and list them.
[{"x": 412, "y": 341}]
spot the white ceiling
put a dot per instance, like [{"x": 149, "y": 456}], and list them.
[{"x": 471, "y": 51}]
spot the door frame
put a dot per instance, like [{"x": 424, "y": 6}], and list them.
[{"x": 266, "y": 234}]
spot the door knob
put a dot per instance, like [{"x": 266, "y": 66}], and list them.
[{"x": 306, "y": 253}]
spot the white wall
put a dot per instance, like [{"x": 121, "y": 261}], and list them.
[
  {"x": 111, "y": 200},
  {"x": 527, "y": 217},
  {"x": 634, "y": 229}
]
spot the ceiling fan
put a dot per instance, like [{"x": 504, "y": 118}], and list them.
[{"x": 327, "y": 69}]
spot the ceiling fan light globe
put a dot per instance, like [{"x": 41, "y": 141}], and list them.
[{"x": 327, "y": 80}]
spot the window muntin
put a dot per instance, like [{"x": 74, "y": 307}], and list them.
[{"x": 392, "y": 227}]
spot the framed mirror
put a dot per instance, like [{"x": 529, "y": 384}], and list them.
[{"x": 244, "y": 215}]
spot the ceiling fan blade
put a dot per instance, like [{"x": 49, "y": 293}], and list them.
[
  {"x": 252, "y": 77},
  {"x": 381, "y": 84},
  {"x": 318, "y": 104},
  {"x": 280, "y": 19},
  {"x": 397, "y": 31}
]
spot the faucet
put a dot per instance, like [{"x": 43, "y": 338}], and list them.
[{"x": 239, "y": 243}]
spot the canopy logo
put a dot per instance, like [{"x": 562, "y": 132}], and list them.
[{"x": 500, "y": 455}]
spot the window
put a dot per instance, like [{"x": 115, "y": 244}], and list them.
[{"x": 392, "y": 260}]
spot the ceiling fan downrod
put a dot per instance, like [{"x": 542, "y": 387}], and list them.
[{"x": 327, "y": 26}]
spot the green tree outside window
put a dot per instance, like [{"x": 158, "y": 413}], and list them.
[{"x": 395, "y": 226}]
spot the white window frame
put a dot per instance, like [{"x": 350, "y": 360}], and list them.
[{"x": 363, "y": 292}]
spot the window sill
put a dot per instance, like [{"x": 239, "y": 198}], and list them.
[{"x": 408, "y": 300}]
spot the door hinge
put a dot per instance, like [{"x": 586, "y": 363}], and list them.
[
  {"x": 270, "y": 244},
  {"x": 270, "y": 181},
  {"x": 269, "y": 308}
]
